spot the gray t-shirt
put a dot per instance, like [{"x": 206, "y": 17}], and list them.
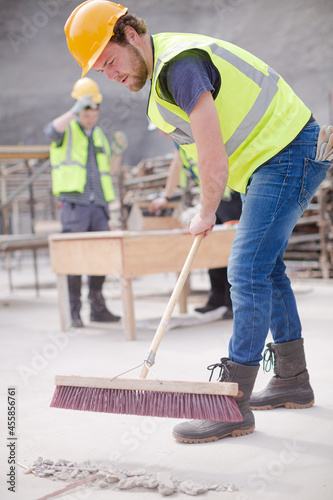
[{"x": 187, "y": 76}]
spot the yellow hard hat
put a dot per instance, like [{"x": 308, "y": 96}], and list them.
[
  {"x": 89, "y": 28},
  {"x": 86, "y": 86}
]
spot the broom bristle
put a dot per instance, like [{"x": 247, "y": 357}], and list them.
[{"x": 215, "y": 407}]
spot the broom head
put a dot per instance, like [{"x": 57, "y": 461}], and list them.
[{"x": 172, "y": 399}]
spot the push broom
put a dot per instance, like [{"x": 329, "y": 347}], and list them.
[{"x": 157, "y": 398}]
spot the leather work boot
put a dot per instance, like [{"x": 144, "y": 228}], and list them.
[
  {"x": 104, "y": 316},
  {"x": 74, "y": 289},
  {"x": 76, "y": 321},
  {"x": 98, "y": 309},
  {"x": 205, "y": 431},
  {"x": 219, "y": 294},
  {"x": 290, "y": 386},
  {"x": 227, "y": 313}
]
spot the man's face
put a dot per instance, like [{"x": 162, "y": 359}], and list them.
[
  {"x": 123, "y": 64},
  {"x": 88, "y": 118}
]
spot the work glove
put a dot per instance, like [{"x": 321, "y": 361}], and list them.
[
  {"x": 84, "y": 102},
  {"x": 157, "y": 204},
  {"x": 119, "y": 143},
  {"x": 325, "y": 144},
  {"x": 188, "y": 214}
]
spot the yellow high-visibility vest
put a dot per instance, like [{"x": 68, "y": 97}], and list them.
[
  {"x": 259, "y": 113},
  {"x": 69, "y": 161}
]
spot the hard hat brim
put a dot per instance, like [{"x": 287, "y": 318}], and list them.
[{"x": 87, "y": 67}]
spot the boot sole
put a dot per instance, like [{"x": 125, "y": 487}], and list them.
[
  {"x": 289, "y": 406},
  {"x": 235, "y": 433}
]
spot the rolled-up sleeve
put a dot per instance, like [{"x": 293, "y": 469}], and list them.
[{"x": 53, "y": 134}]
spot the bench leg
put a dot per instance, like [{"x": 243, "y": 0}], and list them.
[
  {"x": 128, "y": 308},
  {"x": 34, "y": 252},
  {"x": 63, "y": 301},
  {"x": 9, "y": 269}
]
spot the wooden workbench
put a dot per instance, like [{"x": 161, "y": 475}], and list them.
[
  {"x": 129, "y": 254},
  {"x": 10, "y": 243}
]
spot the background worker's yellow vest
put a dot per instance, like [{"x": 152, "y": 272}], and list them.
[
  {"x": 189, "y": 164},
  {"x": 69, "y": 161},
  {"x": 259, "y": 113}
]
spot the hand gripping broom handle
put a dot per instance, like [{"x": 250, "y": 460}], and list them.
[{"x": 150, "y": 358}]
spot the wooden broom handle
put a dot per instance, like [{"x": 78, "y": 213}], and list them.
[{"x": 173, "y": 301}]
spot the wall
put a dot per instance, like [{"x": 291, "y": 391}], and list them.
[{"x": 37, "y": 71}]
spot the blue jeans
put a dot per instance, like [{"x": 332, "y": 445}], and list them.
[{"x": 261, "y": 294}]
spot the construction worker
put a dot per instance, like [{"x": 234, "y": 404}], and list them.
[
  {"x": 80, "y": 157},
  {"x": 247, "y": 129},
  {"x": 229, "y": 209}
]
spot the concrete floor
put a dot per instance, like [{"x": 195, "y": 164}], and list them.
[{"x": 290, "y": 455}]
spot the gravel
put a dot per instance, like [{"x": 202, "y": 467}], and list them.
[{"x": 121, "y": 479}]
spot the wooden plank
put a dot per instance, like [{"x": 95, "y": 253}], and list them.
[
  {"x": 163, "y": 252},
  {"x": 24, "y": 152},
  {"x": 315, "y": 247},
  {"x": 139, "y": 181},
  {"x": 106, "y": 235},
  {"x": 91, "y": 256},
  {"x": 300, "y": 255},
  {"x": 303, "y": 237},
  {"x": 170, "y": 204},
  {"x": 314, "y": 264},
  {"x": 14, "y": 242},
  {"x": 308, "y": 219}
]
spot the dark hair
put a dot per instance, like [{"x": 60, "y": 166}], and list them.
[{"x": 136, "y": 23}]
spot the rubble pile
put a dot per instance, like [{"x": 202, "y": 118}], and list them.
[{"x": 120, "y": 479}]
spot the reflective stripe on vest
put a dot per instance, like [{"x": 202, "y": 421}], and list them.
[
  {"x": 69, "y": 148},
  {"x": 268, "y": 100},
  {"x": 103, "y": 156}
]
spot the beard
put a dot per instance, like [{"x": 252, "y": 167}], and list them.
[{"x": 140, "y": 70}]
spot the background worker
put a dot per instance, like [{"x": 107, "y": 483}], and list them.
[
  {"x": 80, "y": 157},
  {"x": 229, "y": 209},
  {"x": 247, "y": 129}
]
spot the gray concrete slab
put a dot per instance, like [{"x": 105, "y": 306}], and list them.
[{"x": 290, "y": 454}]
